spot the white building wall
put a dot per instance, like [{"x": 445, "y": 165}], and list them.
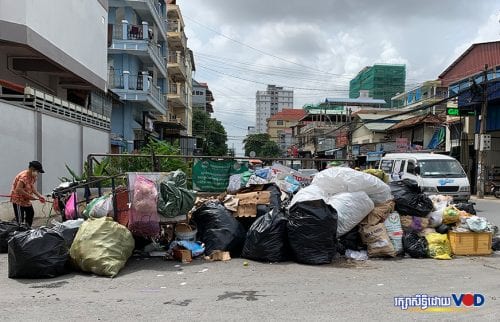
[
  {"x": 78, "y": 28},
  {"x": 62, "y": 142},
  {"x": 94, "y": 141},
  {"x": 17, "y": 150},
  {"x": 60, "y": 146}
]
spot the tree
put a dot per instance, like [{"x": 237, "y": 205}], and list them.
[
  {"x": 212, "y": 133},
  {"x": 262, "y": 145}
]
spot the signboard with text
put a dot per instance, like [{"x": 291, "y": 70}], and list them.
[{"x": 401, "y": 144}]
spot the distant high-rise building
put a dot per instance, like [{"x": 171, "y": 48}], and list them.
[
  {"x": 269, "y": 103},
  {"x": 381, "y": 81}
]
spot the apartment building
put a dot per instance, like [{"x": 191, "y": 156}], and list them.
[
  {"x": 137, "y": 68},
  {"x": 268, "y": 103}
]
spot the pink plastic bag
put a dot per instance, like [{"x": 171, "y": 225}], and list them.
[
  {"x": 144, "y": 220},
  {"x": 70, "y": 211}
]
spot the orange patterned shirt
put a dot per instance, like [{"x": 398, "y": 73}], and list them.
[{"x": 29, "y": 187}]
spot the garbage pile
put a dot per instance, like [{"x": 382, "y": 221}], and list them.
[{"x": 268, "y": 215}]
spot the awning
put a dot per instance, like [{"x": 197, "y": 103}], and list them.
[{"x": 332, "y": 151}]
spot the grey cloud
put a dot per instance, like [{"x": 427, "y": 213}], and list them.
[
  {"x": 338, "y": 11},
  {"x": 335, "y": 36}
]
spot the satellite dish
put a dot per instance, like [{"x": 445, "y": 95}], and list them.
[{"x": 252, "y": 154}]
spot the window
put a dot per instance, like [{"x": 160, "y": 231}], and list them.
[
  {"x": 386, "y": 165},
  {"x": 279, "y": 122},
  {"x": 402, "y": 168},
  {"x": 411, "y": 167},
  {"x": 441, "y": 168}
]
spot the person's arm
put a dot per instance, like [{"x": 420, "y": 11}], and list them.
[{"x": 39, "y": 195}]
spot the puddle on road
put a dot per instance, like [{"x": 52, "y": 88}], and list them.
[
  {"x": 248, "y": 295},
  {"x": 182, "y": 303}
]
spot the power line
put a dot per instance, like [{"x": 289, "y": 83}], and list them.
[{"x": 256, "y": 49}]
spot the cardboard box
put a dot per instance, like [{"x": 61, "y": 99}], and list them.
[
  {"x": 247, "y": 205},
  {"x": 469, "y": 243},
  {"x": 182, "y": 255},
  {"x": 220, "y": 256}
]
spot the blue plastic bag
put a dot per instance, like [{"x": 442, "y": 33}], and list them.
[{"x": 196, "y": 248}]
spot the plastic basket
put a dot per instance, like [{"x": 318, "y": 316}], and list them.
[{"x": 185, "y": 232}]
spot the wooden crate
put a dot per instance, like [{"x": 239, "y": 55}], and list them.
[{"x": 469, "y": 243}]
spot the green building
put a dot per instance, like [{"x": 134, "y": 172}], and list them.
[{"x": 380, "y": 80}]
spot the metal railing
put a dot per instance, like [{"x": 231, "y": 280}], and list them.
[
  {"x": 154, "y": 163},
  {"x": 40, "y": 100}
]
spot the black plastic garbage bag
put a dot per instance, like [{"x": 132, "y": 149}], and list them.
[
  {"x": 409, "y": 199},
  {"x": 467, "y": 207},
  {"x": 266, "y": 239},
  {"x": 218, "y": 229},
  {"x": 68, "y": 230},
  {"x": 7, "y": 230},
  {"x": 312, "y": 232},
  {"x": 495, "y": 243},
  {"x": 414, "y": 245},
  {"x": 351, "y": 240},
  {"x": 443, "y": 229},
  {"x": 37, "y": 253},
  {"x": 174, "y": 201}
]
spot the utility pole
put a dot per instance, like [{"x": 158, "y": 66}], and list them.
[
  {"x": 481, "y": 167},
  {"x": 349, "y": 134}
]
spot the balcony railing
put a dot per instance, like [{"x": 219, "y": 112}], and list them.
[
  {"x": 177, "y": 89},
  {"x": 142, "y": 83},
  {"x": 96, "y": 116},
  {"x": 126, "y": 31},
  {"x": 176, "y": 58}
]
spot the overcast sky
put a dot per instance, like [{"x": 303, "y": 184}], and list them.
[{"x": 315, "y": 47}]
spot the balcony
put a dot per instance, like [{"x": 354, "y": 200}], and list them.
[
  {"x": 176, "y": 36},
  {"x": 176, "y": 66},
  {"x": 159, "y": 17},
  {"x": 177, "y": 95},
  {"x": 138, "y": 89},
  {"x": 147, "y": 10},
  {"x": 173, "y": 12},
  {"x": 138, "y": 40}
]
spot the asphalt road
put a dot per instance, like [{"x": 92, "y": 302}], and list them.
[{"x": 154, "y": 290}]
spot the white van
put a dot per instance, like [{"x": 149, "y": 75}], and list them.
[{"x": 435, "y": 173}]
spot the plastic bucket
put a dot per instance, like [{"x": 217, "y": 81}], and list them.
[{"x": 185, "y": 232}]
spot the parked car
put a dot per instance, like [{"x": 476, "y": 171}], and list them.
[{"x": 434, "y": 173}]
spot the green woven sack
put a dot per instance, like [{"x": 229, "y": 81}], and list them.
[{"x": 102, "y": 246}]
